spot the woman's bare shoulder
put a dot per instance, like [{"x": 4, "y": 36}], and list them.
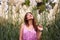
[{"x": 22, "y": 25}]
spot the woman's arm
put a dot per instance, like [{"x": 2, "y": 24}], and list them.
[
  {"x": 39, "y": 32},
  {"x": 21, "y": 30},
  {"x": 39, "y": 35}
]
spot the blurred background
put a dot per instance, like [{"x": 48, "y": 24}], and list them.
[{"x": 46, "y": 13}]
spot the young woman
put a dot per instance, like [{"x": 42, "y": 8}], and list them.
[{"x": 29, "y": 30}]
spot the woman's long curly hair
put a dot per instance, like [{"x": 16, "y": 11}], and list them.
[{"x": 33, "y": 21}]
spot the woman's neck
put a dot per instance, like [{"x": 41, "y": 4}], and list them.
[{"x": 30, "y": 22}]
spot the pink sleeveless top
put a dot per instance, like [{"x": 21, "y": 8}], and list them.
[{"x": 29, "y": 34}]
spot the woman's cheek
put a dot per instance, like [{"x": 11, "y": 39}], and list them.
[{"x": 28, "y": 17}]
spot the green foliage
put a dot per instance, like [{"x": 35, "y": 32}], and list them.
[
  {"x": 34, "y": 12},
  {"x": 52, "y": 31},
  {"x": 52, "y": 4},
  {"x": 27, "y": 3},
  {"x": 42, "y": 8},
  {"x": 8, "y": 31},
  {"x": 45, "y": 1}
]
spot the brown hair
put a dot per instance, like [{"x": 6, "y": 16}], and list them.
[{"x": 33, "y": 21}]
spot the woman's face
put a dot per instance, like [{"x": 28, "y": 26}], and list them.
[{"x": 29, "y": 16}]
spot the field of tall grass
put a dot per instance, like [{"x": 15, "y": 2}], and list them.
[{"x": 10, "y": 30}]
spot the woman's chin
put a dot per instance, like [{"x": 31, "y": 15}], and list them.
[{"x": 30, "y": 19}]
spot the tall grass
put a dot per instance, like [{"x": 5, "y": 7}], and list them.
[
  {"x": 53, "y": 30},
  {"x": 8, "y": 31}
]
